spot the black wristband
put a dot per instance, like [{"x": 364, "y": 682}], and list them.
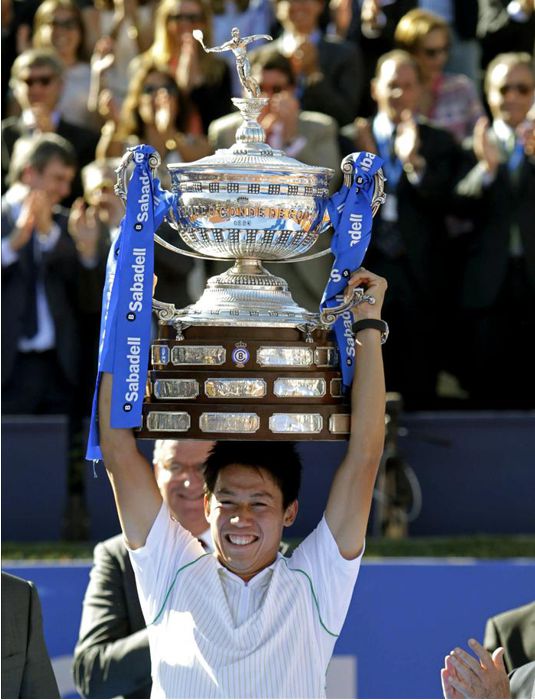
[{"x": 377, "y": 323}]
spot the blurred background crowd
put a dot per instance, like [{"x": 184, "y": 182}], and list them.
[{"x": 443, "y": 90}]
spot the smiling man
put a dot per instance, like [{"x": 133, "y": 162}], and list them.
[{"x": 246, "y": 621}]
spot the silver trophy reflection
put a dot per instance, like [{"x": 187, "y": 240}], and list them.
[{"x": 245, "y": 361}]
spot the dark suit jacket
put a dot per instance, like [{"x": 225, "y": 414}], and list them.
[
  {"x": 493, "y": 208},
  {"x": 112, "y": 654},
  {"x": 68, "y": 287},
  {"x": 339, "y": 91},
  {"x": 514, "y": 630},
  {"x": 522, "y": 681},
  {"x": 84, "y": 142},
  {"x": 422, "y": 207},
  {"x": 26, "y": 668}
]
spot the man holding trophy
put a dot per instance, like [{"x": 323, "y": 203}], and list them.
[{"x": 245, "y": 621}]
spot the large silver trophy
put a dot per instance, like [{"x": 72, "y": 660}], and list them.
[{"x": 245, "y": 361}]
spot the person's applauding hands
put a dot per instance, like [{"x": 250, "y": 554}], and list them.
[
  {"x": 465, "y": 676},
  {"x": 407, "y": 144},
  {"x": 84, "y": 230}
]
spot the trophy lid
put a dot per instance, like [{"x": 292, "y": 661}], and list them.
[{"x": 250, "y": 152}]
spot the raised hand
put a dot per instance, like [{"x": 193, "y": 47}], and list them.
[
  {"x": 486, "y": 151},
  {"x": 84, "y": 229},
  {"x": 407, "y": 143},
  {"x": 305, "y": 59}
]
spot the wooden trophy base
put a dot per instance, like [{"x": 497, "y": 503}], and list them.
[{"x": 244, "y": 383}]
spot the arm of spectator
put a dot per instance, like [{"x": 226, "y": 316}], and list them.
[
  {"x": 102, "y": 59},
  {"x": 109, "y": 660},
  {"x": 469, "y": 677},
  {"x": 85, "y": 231},
  {"x": 372, "y": 19},
  {"x": 350, "y": 497},
  {"x": 134, "y": 486}
]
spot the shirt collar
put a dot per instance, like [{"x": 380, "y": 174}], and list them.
[
  {"x": 502, "y": 130},
  {"x": 29, "y": 121},
  {"x": 261, "y": 578},
  {"x": 383, "y": 128}
]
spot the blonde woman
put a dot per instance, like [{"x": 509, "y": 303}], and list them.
[{"x": 204, "y": 78}]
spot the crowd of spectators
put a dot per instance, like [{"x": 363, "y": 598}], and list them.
[{"x": 442, "y": 90}]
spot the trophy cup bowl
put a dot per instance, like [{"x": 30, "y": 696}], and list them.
[{"x": 245, "y": 361}]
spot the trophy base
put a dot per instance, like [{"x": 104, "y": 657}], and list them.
[
  {"x": 245, "y": 295},
  {"x": 244, "y": 383}
]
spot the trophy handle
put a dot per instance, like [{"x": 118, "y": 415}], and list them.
[
  {"x": 329, "y": 316},
  {"x": 121, "y": 186},
  {"x": 378, "y": 198}
]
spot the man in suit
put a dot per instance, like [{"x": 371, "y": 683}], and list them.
[
  {"x": 46, "y": 277},
  {"x": 498, "y": 193},
  {"x": 26, "y": 668},
  {"x": 409, "y": 241},
  {"x": 514, "y": 630},
  {"x": 112, "y": 655},
  {"x": 37, "y": 82},
  {"x": 328, "y": 71}
]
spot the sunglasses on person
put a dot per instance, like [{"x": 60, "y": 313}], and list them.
[
  {"x": 434, "y": 52},
  {"x": 64, "y": 23},
  {"x": 191, "y": 17},
  {"x": 151, "y": 89},
  {"x": 43, "y": 80},
  {"x": 522, "y": 88}
]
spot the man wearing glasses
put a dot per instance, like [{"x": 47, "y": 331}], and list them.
[
  {"x": 498, "y": 290},
  {"x": 37, "y": 84}
]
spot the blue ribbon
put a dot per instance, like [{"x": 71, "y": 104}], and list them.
[
  {"x": 125, "y": 324},
  {"x": 350, "y": 212}
]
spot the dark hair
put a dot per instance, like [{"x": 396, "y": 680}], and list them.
[
  {"x": 36, "y": 58},
  {"x": 274, "y": 60},
  {"x": 280, "y": 459},
  {"x": 37, "y": 151}
]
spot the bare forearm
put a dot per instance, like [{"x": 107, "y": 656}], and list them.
[{"x": 136, "y": 493}]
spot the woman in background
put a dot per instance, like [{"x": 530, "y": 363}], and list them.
[
  {"x": 58, "y": 25},
  {"x": 450, "y": 101},
  {"x": 156, "y": 112},
  {"x": 203, "y": 78}
]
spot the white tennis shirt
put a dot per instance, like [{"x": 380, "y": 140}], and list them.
[{"x": 212, "y": 635}]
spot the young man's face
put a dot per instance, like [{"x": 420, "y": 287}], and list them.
[
  {"x": 247, "y": 517},
  {"x": 55, "y": 179}
]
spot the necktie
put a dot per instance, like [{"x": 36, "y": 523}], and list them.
[{"x": 30, "y": 324}]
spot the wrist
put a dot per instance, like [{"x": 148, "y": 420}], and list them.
[{"x": 367, "y": 327}]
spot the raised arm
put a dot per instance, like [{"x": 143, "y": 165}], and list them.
[
  {"x": 134, "y": 487},
  {"x": 350, "y": 497}
]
